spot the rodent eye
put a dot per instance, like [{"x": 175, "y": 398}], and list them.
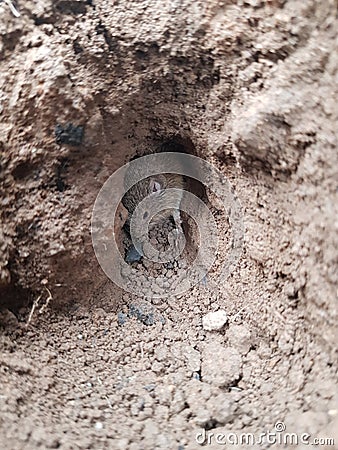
[{"x": 145, "y": 215}]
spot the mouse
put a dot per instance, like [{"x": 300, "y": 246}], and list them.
[{"x": 154, "y": 185}]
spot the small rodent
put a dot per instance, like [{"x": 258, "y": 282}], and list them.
[{"x": 156, "y": 184}]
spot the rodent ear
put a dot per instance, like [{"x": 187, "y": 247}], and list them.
[{"x": 156, "y": 185}]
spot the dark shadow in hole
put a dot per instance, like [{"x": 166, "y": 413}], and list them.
[{"x": 14, "y": 297}]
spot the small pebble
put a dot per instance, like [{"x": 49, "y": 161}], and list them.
[
  {"x": 196, "y": 376},
  {"x": 214, "y": 321},
  {"x": 132, "y": 255},
  {"x": 121, "y": 318},
  {"x": 98, "y": 425}
]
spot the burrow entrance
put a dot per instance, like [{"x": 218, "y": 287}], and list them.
[{"x": 167, "y": 227}]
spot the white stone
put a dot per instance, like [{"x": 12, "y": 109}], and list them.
[
  {"x": 214, "y": 321},
  {"x": 98, "y": 425}
]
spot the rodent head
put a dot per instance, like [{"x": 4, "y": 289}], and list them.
[
  {"x": 158, "y": 187},
  {"x": 145, "y": 187},
  {"x": 157, "y": 205},
  {"x": 156, "y": 183}
]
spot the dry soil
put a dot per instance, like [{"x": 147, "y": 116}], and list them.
[{"x": 249, "y": 85}]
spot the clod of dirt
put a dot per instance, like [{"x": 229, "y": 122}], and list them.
[
  {"x": 240, "y": 338},
  {"x": 193, "y": 359},
  {"x": 221, "y": 366},
  {"x": 221, "y": 409}
]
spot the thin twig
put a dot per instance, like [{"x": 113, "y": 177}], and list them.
[
  {"x": 50, "y": 297},
  {"x": 35, "y": 304},
  {"x": 13, "y": 9},
  {"x": 234, "y": 317}
]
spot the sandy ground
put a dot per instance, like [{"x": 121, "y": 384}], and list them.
[{"x": 248, "y": 85}]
